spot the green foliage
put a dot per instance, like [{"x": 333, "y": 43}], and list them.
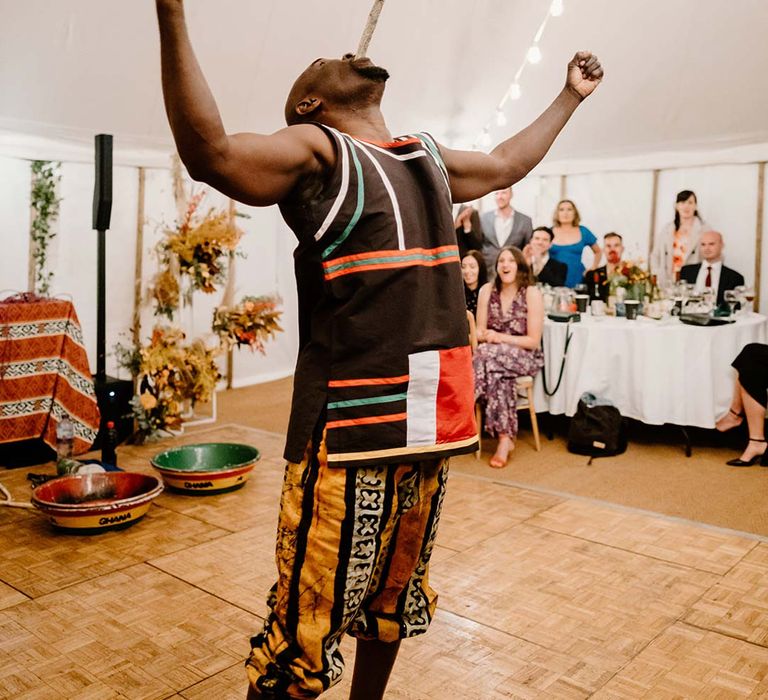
[{"x": 45, "y": 205}]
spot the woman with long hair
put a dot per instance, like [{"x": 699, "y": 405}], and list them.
[
  {"x": 510, "y": 320},
  {"x": 678, "y": 242},
  {"x": 469, "y": 232},
  {"x": 570, "y": 240},
  {"x": 475, "y": 276}
]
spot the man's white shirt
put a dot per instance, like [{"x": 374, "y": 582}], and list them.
[
  {"x": 502, "y": 227},
  {"x": 701, "y": 278}
]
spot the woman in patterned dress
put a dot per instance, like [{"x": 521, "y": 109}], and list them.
[
  {"x": 678, "y": 242},
  {"x": 510, "y": 319}
]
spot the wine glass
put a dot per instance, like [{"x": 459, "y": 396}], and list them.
[
  {"x": 748, "y": 296},
  {"x": 731, "y": 298}
]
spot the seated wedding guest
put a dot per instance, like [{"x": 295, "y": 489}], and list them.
[
  {"x": 469, "y": 234},
  {"x": 503, "y": 227},
  {"x": 678, "y": 242},
  {"x": 510, "y": 319},
  {"x": 475, "y": 276},
  {"x": 570, "y": 241},
  {"x": 597, "y": 279},
  {"x": 545, "y": 270},
  {"x": 749, "y": 399},
  {"x": 711, "y": 273}
]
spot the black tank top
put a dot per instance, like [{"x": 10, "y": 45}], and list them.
[{"x": 384, "y": 358}]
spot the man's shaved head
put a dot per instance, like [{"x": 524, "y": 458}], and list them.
[
  {"x": 332, "y": 84},
  {"x": 711, "y": 246}
]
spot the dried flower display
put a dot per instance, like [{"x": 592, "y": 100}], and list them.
[
  {"x": 171, "y": 373},
  {"x": 250, "y": 323}
]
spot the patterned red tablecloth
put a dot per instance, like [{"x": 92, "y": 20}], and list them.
[{"x": 44, "y": 373}]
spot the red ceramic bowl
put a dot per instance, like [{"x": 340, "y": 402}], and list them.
[{"x": 91, "y": 503}]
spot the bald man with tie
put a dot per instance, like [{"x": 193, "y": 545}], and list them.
[{"x": 710, "y": 272}]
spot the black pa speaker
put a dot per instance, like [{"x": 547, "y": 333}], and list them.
[
  {"x": 102, "y": 187},
  {"x": 114, "y": 398}
]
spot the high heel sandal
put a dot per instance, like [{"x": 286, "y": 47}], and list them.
[
  {"x": 762, "y": 458},
  {"x": 738, "y": 416}
]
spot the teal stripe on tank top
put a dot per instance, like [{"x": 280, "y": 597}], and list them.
[
  {"x": 433, "y": 149},
  {"x": 365, "y": 402}
]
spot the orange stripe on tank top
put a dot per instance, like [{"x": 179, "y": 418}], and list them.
[
  {"x": 374, "y": 381},
  {"x": 391, "y": 418}
]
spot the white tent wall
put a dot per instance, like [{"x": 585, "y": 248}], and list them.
[
  {"x": 75, "y": 252},
  {"x": 550, "y": 189},
  {"x": 619, "y": 202},
  {"x": 159, "y": 211},
  {"x": 267, "y": 269},
  {"x": 14, "y": 223}
]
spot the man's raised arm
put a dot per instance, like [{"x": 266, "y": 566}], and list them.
[
  {"x": 252, "y": 168},
  {"x": 474, "y": 174}
]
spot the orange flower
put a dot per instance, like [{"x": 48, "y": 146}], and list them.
[{"x": 148, "y": 402}]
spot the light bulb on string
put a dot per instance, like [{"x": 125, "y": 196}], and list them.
[
  {"x": 514, "y": 91},
  {"x": 534, "y": 54},
  {"x": 556, "y": 8},
  {"x": 501, "y": 118}
]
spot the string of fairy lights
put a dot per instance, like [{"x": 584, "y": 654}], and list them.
[{"x": 514, "y": 91}]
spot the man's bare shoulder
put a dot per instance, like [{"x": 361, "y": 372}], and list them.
[{"x": 313, "y": 137}]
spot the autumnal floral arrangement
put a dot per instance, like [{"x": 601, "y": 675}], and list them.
[
  {"x": 632, "y": 276},
  {"x": 197, "y": 247},
  {"x": 166, "y": 293},
  {"x": 249, "y": 323},
  {"x": 172, "y": 373}
]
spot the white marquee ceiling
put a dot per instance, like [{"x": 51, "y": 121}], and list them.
[{"x": 680, "y": 74}]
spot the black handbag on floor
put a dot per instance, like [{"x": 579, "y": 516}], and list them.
[{"x": 597, "y": 431}]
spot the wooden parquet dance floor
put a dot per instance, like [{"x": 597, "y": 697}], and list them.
[{"x": 541, "y": 596}]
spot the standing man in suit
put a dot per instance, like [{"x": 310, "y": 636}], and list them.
[
  {"x": 711, "y": 273},
  {"x": 503, "y": 227},
  {"x": 546, "y": 270},
  {"x": 597, "y": 280}
]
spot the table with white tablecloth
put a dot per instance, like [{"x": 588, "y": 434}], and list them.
[{"x": 654, "y": 371}]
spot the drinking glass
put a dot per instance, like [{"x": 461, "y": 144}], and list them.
[
  {"x": 749, "y": 297},
  {"x": 731, "y": 298},
  {"x": 709, "y": 296}
]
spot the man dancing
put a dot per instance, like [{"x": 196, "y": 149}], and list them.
[{"x": 383, "y": 383}]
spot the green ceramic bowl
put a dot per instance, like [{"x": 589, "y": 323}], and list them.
[{"x": 207, "y": 468}]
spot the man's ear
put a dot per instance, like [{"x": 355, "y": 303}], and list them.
[{"x": 308, "y": 105}]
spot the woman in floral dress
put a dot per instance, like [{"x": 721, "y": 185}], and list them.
[
  {"x": 510, "y": 319},
  {"x": 677, "y": 244}
]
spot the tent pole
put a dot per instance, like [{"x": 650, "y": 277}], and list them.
[
  {"x": 654, "y": 200},
  {"x": 229, "y": 293},
  {"x": 136, "y": 325},
  {"x": 563, "y": 188},
  {"x": 759, "y": 231},
  {"x": 31, "y": 266}
]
